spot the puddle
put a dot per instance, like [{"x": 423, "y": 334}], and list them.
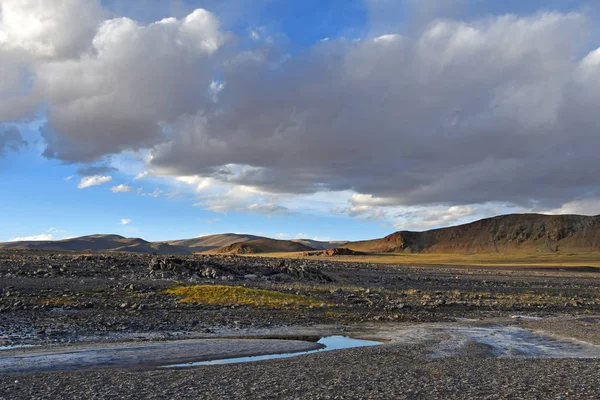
[{"x": 330, "y": 343}]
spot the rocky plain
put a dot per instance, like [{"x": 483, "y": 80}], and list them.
[{"x": 434, "y": 321}]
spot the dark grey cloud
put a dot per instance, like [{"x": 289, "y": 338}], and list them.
[
  {"x": 495, "y": 110},
  {"x": 88, "y": 170},
  {"x": 10, "y": 139}
]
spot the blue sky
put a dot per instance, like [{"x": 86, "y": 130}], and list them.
[{"x": 246, "y": 132}]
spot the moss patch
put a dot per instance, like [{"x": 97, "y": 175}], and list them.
[
  {"x": 238, "y": 295},
  {"x": 55, "y": 302}
]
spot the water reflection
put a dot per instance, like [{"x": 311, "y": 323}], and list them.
[{"x": 330, "y": 343}]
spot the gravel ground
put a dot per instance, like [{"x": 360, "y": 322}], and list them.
[
  {"x": 144, "y": 354},
  {"x": 48, "y": 298},
  {"x": 585, "y": 328},
  {"x": 386, "y": 372}
]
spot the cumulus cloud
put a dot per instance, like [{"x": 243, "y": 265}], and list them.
[
  {"x": 94, "y": 180},
  {"x": 120, "y": 85},
  {"x": 455, "y": 114},
  {"x": 10, "y": 139},
  {"x": 61, "y": 29},
  {"x": 465, "y": 113},
  {"x": 125, "y": 221},
  {"x": 121, "y": 189}
]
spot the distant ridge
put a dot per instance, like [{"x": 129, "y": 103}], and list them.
[
  {"x": 262, "y": 246},
  {"x": 210, "y": 242},
  {"x": 320, "y": 245},
  {"x": 224, "y": 243},
  {"x": 513, "y": 233},
  {"x": 96, "y": 243}
]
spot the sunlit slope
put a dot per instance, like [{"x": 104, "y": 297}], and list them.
[
  {"x": 97, "y": 243},
  {"x": 262, "y": 246},
  {"x": 514, "y": 233}
]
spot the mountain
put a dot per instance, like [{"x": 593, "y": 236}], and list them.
[
  {"x": 97, "y": 243},
  {"x": 210, "y": 242},
  {"x": 320, "y": 245},
  {"x": 262, "y": 246},
  {"x": 513, "y": 233}
]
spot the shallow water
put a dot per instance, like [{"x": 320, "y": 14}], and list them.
[{"x": 330, "y": 343}]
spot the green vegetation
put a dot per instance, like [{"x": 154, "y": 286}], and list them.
[
  {"x": 238, "y": 295},
  {"x": 63, "y": 301}
]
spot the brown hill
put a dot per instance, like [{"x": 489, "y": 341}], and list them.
[
  {"x": 336, "y": 251},
  {"x": 262, "y": 246},
  {"x": 318, "y": 244},
  {"x": 512, "y": 233},
  {"x": 96, "y": 243},
  {"x": 210, "y": 242}
]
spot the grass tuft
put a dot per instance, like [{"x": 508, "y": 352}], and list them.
[{"x": 238, "y": 295}]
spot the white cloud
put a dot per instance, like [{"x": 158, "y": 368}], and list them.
[
  {"x": 435, "y": 217},
  {"x": 582, "y": 207},
  {"x": 110, "y": 85},
  {"x": 41, "y": 236},
  {"x": 141, "y": 175},
  {"x": 121, "y": 189},
  {"x": 60, "y": 29},
  {"x": 254, "y": 35},
  {"x": 93, "y": 180},
  {"x": 125, "y": 221},
  {"x": 200, "y": 183},
  {"x": 50, "y": 234},
  {"x": 155, "y": 193},
  {"x": 223, "y": 204}
]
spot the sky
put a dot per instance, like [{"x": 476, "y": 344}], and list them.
[{"x": 319, "y": 119}]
